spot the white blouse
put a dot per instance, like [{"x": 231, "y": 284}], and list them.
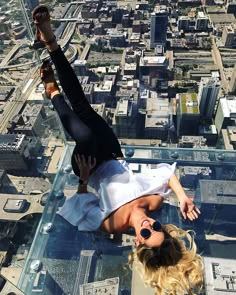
[{"x": 115, "y": 185}]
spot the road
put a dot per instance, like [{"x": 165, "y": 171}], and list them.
[
  {"x": 218, "y": 61},
  {"x": 14, "y": 105}
]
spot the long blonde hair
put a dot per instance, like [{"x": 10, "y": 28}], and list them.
[{"x": 172, "y": 268}]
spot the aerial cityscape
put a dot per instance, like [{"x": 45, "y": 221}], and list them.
[{"x": 162, "y": 74}]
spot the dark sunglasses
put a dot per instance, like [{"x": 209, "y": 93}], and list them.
[{"x": 146, "y": 233}]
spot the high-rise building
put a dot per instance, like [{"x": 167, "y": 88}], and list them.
[
  {"x": 30, "y": 121},
  {"x": 201, "y": 21},
  {"x": 14, "y": 152},
  {"x": 208, "y": 93},
  {"x": 187, "y": 114},
  {"x": 232, "y": 84},
  {"x": 80, "y": 67},
  {"x": 190, "y": 23},
  {"x": 183, "y": 23},
  {"x": 225, "y": 113},
  {"x": 159, "y": 22},
  {"x": 124, "y": 123},
  {"x": 229, "y": 36},
  {"x": 153, "y": 70}
]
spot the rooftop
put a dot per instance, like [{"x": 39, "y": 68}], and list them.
[{"x": 189, "y": 103}]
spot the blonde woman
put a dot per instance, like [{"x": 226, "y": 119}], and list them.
[
  {"x": 122, "y": 199},
  {"x": 174, "y": 267}
]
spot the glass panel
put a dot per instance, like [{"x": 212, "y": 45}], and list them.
[
  {"x": 70, "y": 260},
  {"x": 32, "y": 142}
]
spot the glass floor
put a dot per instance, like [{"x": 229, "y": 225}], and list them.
[{"x": 63, "y": 260}]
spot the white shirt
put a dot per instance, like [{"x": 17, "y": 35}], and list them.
[{"x": 115, "y": 185}]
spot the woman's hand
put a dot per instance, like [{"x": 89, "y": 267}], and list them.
[
  {"x": 188, "y": 209},
  {"x": 85, "y": 166}
]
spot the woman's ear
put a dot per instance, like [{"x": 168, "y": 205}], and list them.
[{"x": 137, "y": 242}]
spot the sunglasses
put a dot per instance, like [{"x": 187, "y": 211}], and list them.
[{"x": 146, "y": 233}]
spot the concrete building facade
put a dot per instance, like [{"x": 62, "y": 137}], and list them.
[
  {"x": 14, "y": 152},
  {"x": 188, "y": 114},
  {"x": 157, "y": 119},
  {"x": 232, "y": 84},
  {"x": 225, "y": 113},
  {"x": 124, "y": 123},
  {"x": 229, "y": 36},
  {"x": 159, "y": 22},
  {"x": 207, "y": 96}
]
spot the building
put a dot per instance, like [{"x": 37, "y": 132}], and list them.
[
  {"x": 208, "y": 2},
  {"x": 207, "y": 96},
  {"x": 188, "y": 114},
  {"x": 90, "y": 10},
  {"x": 80, "y": 67},
  {"x": 103, "y": 92},
  {"x": 153, "y": 70},
  {"x": 225, "y": 113},
  {"x": 183, "y": 23},
  {"x": 231, "y": 132},
  {"x": 100, "y": 109},
  {"x": 130, "y": 69},
  {"x": 117, "y": 39},
  {"x": 218, "y": 191},
  {"x": 88, "y": 92},
  {"x": 109, "y": 285},
  {"x": 6, "y": 186},
  {"x": 159, "y": 23},
  {"x": 190, "y": 175},
  {"x": 6, "y": 92},
  {"x": 202, "y": 21},
  {"x": 220, "y": 276},
  {"x": 229, "y": 36},
  {"x": 124, "y": 121},
  {"x": 188, "y": 3},
  {"x": 157, "y": 119},
  {"x": 195, "y": 142},
  {"x": 193, "y": 23},
  {"x": 231, "y": 6},
  {"x": 232, "y": 84},
  {"x": 209, "y": 132},
  {"x": 30, "y": 122},
  {"x": 14, "y": 152}
]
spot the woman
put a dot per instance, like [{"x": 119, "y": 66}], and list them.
[{"x": 122, "y": 199}]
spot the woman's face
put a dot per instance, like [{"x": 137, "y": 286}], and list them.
[{"x": 156, "y": 237}]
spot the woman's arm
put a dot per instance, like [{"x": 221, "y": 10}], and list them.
[
  {"x": 187, "y": 207},
  {"x": 85, "y": 168},
  {"x": 82, "y": 188}
]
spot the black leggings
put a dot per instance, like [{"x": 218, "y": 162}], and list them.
[{"x": 90, "y": 132}]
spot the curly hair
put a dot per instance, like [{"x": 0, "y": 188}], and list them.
[{"x": 172, "y": 268}]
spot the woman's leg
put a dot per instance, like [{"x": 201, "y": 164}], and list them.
[
  {"x": 106, "y": 140},
  {"x": 80, "y": 132}
]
